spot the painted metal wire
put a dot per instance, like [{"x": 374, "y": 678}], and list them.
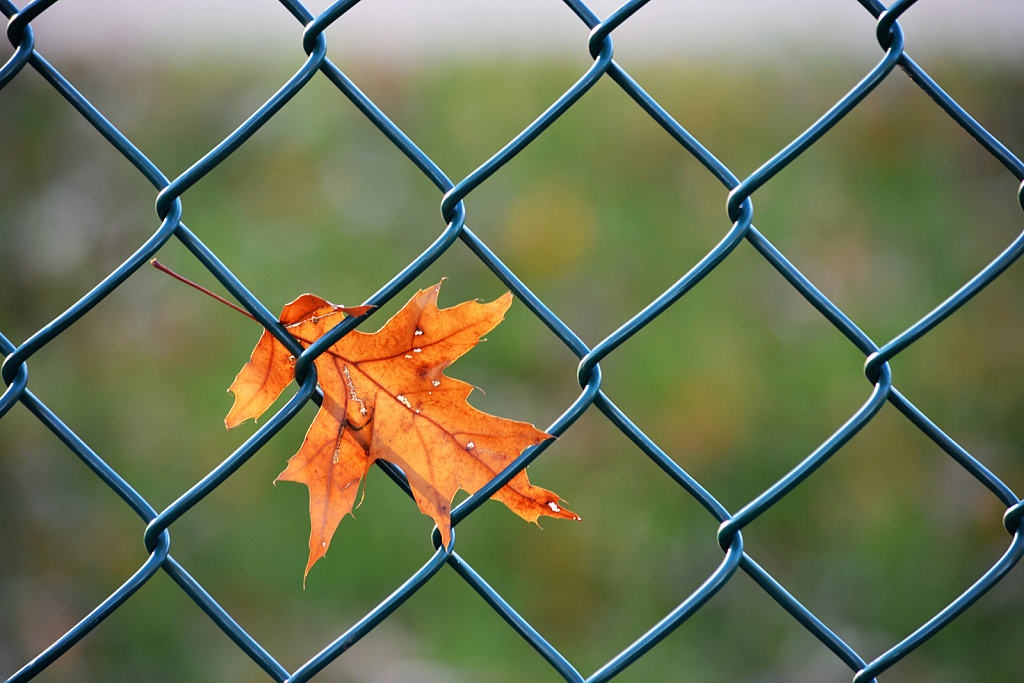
[{"x": 740, "y": 214}]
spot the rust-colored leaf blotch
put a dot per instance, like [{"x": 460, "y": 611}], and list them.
[{"x": 386, "y": 396}]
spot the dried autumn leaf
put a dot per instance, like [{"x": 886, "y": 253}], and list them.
[{"x": 386, "y": 397}]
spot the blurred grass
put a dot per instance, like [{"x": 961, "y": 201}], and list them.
[{"x": 888, "y": 214}]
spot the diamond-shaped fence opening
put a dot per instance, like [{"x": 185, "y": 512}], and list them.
[{"x": 686, "y": 360}]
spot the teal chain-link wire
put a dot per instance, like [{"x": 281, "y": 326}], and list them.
[{"x": 740, "y": 213}]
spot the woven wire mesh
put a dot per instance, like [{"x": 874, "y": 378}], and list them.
[{"x": 740, "y": 214}]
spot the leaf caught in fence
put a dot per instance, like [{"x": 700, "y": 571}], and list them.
[{"x": 386, "y": 397}]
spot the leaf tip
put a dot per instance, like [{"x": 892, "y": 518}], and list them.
[
  {"x": 233, "y": 420},
  {"x": 356, "y": 311}
]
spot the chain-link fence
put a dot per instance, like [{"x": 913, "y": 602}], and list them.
[{"x": 740, "y": 214}]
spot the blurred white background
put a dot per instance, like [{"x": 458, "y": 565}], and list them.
[{"x": 398, "y": 30}]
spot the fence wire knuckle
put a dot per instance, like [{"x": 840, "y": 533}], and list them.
[{"x": 739, "y": 216}]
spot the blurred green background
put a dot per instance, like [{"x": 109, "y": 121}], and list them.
[{"x": 738, "y": 381}]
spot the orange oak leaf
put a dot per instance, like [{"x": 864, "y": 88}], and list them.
[{"x": 386, "y": 397}]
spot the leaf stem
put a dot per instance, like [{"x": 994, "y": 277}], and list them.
[{"x": 159, "y": 266}]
